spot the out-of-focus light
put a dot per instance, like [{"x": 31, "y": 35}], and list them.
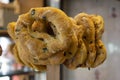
[
  {"x": 57, "y": 0},
  {"x": 4, "y": 78},
  {"x": 55, "y": 3},
  {"x": 4, "y": 1},
  {"x": 113, "y": 48},
  {"x": 4, "y": 65},
  {"x": 4, "y": 42}
]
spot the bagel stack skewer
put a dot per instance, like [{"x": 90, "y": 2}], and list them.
[{"x": 47, "y": 35}]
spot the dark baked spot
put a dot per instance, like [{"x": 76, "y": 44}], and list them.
[
  {"x": 84, "y": 37},
  {"x": 17, "y": 30},
  {"x": 95, "y": 25},
  {"x": 102, "y": 53},
  {"x": 45, "y": 49},
  {"x": 65, "y": 54},
  {"x": 87, "y": 52},
  {"x": 33, "y": 12},
  {"x": 98, "y": 53},
  {"x": 79, "y": 44},
  {"x": 35, "y": 60},
  {"x": 78, "y": 23},
  {"x": 58, "y": 33},
  {"x": 44, "y": 18},
  {"x": 91, "y": 42},
  {"x": 41, "y": 39},
  {"x": 69, "y": 53},
  {"x": 24, "y": 25},
  {"x": 79, "y": 65},
  {"x": 49, "y": 30},
  {"x": 100, "y": 47},
  {"x": 31, "y": 36}
]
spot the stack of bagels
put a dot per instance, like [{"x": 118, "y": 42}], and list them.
[{"x": 47, "y": 36}]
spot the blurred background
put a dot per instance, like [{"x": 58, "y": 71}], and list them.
[{"x": 108, "y": 9}]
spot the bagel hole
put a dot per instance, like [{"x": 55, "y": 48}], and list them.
[
  {"x": 50, "y": 30},
  {"x": 44, "y": 18},
  {"x": 91, "y": 42},
  {"x": 100, "y": 47}
]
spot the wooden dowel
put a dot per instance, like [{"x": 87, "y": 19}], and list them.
[{"x": 53, "y": 72}]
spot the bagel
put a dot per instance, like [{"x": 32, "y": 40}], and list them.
[
  {"x": 47, "y": 36},
  {"x": 100, "y": 52},
  {"x": 40, "y": 47},
  {"x": 81, "y": 54},
  {"x": 88, "y": 37},
  {"x": 23, "y": 62},
  {"x": 100, "y": 48},
  {"x": 60, "y": 24},
  {"x": 27, "y": 58}
]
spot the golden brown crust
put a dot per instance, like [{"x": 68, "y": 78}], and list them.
[
  {"x": 81, "y": 54},
  {"x": 88, "y": 37},
  {"x": 100, "y": 52},
  {"x": 99, "y": 25},
  {"x": 18, "y": 51},
  {"x": 71, "y": 51}
]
